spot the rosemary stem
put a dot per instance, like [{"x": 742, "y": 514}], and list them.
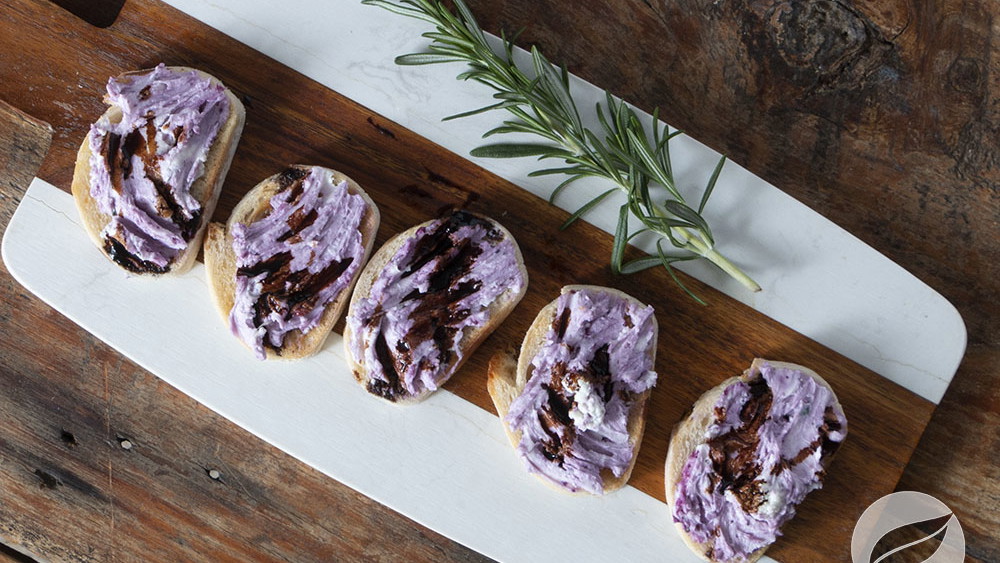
[
  {"x": 698, "y": 246},
  {"x": 709, "y": 253}
]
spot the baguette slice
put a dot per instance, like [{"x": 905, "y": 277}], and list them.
[
  {"x": 359, "y": 343},
  {"x": 205, "y": 189},
  {"x": 508, "y": 377},
  {"x": 690, "y": 433},
  {"x": 220, "y": 259}
]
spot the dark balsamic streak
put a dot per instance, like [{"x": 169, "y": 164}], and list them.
[
  {"x": 438, "y": 313},
  {"x": 561, "y": 323},
  {"x": 110, "y": 149},
  {"x": 284, "y": 291},
  {"x": 391, "y": 388},
  {"x": 129, "y": 145},
  {"x": 121, "y": 256},
  {"x": 600, "y": 372},
  {"x": 554, "y": 415},
  {"x": 290, "y": 176},
  {"x": 118, "y": 152},
  {"x": 560, "y": 391},
  {"x": 298, "y": 222},
  {"x": 732, "y": 453}
]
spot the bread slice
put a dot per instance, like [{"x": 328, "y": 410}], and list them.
[
  {"x": 220, "y": 260},
  {"x": 507, "y": 378},
  {"x": 206, "y": 188},
  {"x": 471, "y": 337},
  {"x": 690, "y": 433}
]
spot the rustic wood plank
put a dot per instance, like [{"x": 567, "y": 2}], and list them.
[
  {"x": 882, "y": 116},
  {"x": 158, "y": 491},
  {"x": 24, "y": 141},
  {"x": 23, "y": 144}
]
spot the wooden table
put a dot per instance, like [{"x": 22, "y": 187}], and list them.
[{"x": 881, "y": 116}]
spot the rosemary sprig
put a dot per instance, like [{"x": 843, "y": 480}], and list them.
[{"x": 542, "y": 105}]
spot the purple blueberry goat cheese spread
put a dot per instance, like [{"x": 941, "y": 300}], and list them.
[
  {"x": 296, "y": 259},
  {"x": 583, "y": 382},
  {"x": 762, "y": 455},
  {"x": 439, "y": 285},
  {"x": 142, "y": 167}
]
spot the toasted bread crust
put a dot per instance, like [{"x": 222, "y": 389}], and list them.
[
  {"x": 690, "y": 433},
  {"x": 205, "y": 189},
  {"x": 220, "y": 261},
  {"x": 471, "y": 339},
  {"x": 507, "y": 378}
]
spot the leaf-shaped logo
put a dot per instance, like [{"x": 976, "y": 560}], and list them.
[
  {"x": 909, "y": 542},
  {"x": 898, "y": 527}
]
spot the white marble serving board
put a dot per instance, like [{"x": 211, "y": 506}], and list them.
[{"x": 461, "y": 476}]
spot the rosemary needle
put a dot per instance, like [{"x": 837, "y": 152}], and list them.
[{"x": 541, "y": 104}]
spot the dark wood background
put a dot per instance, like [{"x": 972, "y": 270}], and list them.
[{"x": 883, "y": 118}]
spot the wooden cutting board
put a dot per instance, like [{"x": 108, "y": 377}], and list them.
[{"x": 54, "y": 66}]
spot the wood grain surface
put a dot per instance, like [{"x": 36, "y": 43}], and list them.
[{"x": 77, "y": 492}]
